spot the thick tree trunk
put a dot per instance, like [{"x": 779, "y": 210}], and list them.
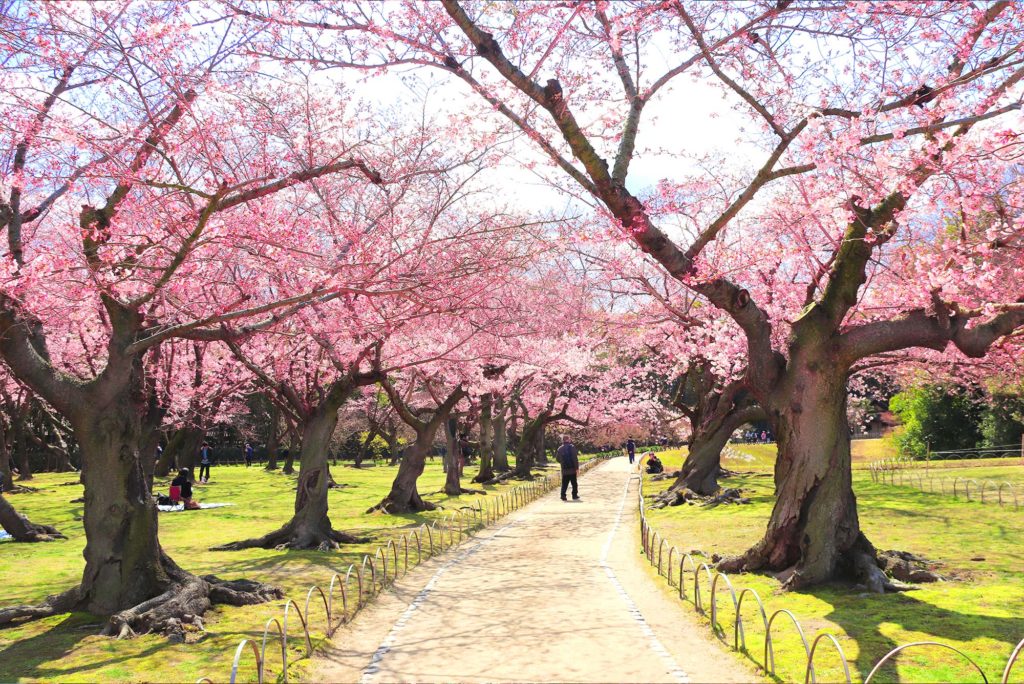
[
  {"x": 293, "y": 448},
  {"x": 703, "y": 463},
  {"x": 272, "y": 438},
  {"x": 452, "y": 482},
  {"x": 181, "y": 451},
  {"x": 21, "y": 528},
  {"x": 486, "y": 441},
  {"x": 541, "y": 448},
  {"x": 527, "y": 451},
  {"x": 364, "y": 447},
  {"x": 500, "y": 444},
  {"x": 21, "y": 449},
  {"x": 310, "y": 527},
  {"x": 814, "y": 533},
  {"x": 6, "y": 480},
  {"x": 404, "y": 496},
  {"x": 127, "y": 575},
  {"x": 391, "y": 436}
]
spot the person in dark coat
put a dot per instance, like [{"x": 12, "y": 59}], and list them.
[
  {"x": 184, "y": 485},
  {"x": 631, "y": 450},
  {"x": 569, "y": 459}
]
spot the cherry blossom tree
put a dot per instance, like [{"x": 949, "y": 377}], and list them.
[
  {"x": 878, "y": 118},
  {"x": 154, "y": 188}
]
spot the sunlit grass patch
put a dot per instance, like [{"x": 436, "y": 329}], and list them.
[
  {"x": 66, "y": 648},
  {"x": 980, "y": 611}
]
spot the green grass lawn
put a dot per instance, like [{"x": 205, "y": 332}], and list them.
[
  {"x": 980, "y": 610},
  {"x": 762, "y": 456},
  {"x": 67, "y": 648}
]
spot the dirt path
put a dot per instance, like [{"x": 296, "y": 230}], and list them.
[{"x": 556, "y": 592}]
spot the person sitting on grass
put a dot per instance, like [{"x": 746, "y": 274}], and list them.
[
  {"x": 654, "y": 465},
  {"x": 184, "y": 486}
]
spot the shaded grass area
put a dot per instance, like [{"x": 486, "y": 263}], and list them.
[
  {"x": 66, "y": 648},
  {"x": 980, "y": 611}
]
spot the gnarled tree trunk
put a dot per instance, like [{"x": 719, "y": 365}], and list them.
[
  {"x": 127, "y": 575},
  {"x": 391, "y": 437},
  {"x": 181, "y": 451},
  {"x": 541, "y": 448},
  {"x": 500, "y": 444},
  {"x": 273, "y": 442},
  {"x": 404, "y": 496},
  {"x": 526, "y": 454},
  {"x": 21, "y": 528},
  {"x": 703, "y": 463},
  {"x": 310, "y": 527},
  {"x": 486, "y": 441},
  {"x": 814, "y": 532},
  {"x": 453, "y": 456}
]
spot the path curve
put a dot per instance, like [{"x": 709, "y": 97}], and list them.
[{"x": 556, "y": 592}]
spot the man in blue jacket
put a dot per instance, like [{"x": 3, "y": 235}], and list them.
[{"x": 569, "y": 458}]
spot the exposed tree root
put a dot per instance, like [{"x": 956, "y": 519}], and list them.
[
  {"x": 412, "y": 503},
  {"x": 182, "y": 602},
  {"x": 462, "y": 490},
  {"x": 23, "y": 529},
  {"x": 321, "y": 537},
  {"x": 54, "y": 604},
  {"x": 908, "y": 567},
  {"x": 484, "y": 477},
  {"x": 498, "y": 479},
  {"x": 859, "y": 563}
]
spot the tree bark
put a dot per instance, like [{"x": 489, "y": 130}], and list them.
[
  {"x": 272, "y": 438},
  {"x": 486, "y": 440},
  {"x": 21, "y": 446},
  {"x": 391, "y": 436},
  {"x": 127, "y": 575},
  {"x": 404, "y": 496},
  {"x": 310, "y": 526},
  {"x": 540, "y": 449},
  {"x": 500, "y": 444},
  {"x": 703, "y": 463},
  {"x": 6, "y": 481},
  {"x": 181, "y": 451},
  {"x": 453, "y": 455},
  {"x": 814, "y": 532},
  {"x": 527, "y": 451},
  {"x": 21, "y": 528},
  {"x": 364, "y": 447},
  {"x": 293, "y": 447}
]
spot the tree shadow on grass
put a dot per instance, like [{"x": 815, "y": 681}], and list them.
[
  {"x": 862, "y": 616},
  {"x": 32, "y": 656}
]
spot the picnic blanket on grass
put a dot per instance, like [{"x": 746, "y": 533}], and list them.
[{"x": 202, "y": 507}]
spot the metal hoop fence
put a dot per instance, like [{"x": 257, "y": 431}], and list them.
[
  {"x": 459, "y": 526},
  {"x": 653, "y": 545}
]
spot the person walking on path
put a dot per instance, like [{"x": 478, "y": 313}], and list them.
[
  {"x": 248, "y": 454},
  {"x": 569, "y": 458},
  {"x": 204, "y": 463},
  {"x": 631, "y": 450}
]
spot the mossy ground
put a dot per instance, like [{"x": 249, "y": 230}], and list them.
[
  {"x": 67, "y": 648},
  {"x": 980, "y": 611}
]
